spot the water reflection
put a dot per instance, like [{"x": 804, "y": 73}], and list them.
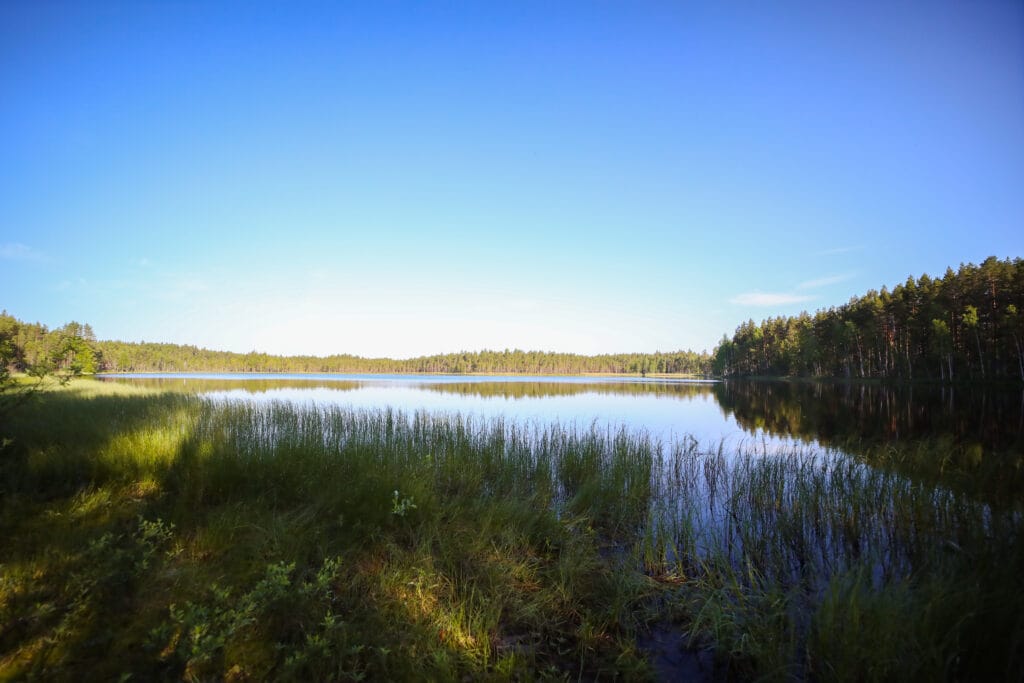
[
  {"x": 481, "y": 386},
  {"x": 989, "y": 418},
  {"x": 970, "y": 438},
  {"x": 664, "y": 409}
]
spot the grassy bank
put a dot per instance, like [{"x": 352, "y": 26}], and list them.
[{"x": 166, "y": 536}]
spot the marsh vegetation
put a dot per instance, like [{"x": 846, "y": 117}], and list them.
[{"x": 168, "y": 535}]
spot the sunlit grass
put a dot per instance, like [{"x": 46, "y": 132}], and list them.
[{"x": 169, "y": 536}]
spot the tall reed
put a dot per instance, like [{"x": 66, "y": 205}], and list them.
[{"x": 204, "y": 538}]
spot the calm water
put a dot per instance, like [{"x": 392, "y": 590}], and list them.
[
  {"x": 665, "y": 409},
  {"x": 984, "y": 419}
]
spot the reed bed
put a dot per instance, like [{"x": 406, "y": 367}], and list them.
[{"x": 169, "y": 536}]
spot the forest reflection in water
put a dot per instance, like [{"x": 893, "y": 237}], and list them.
[
  {"x": 990, "y": 416},
  {"x": 987, "y": 416},
  {"x": 966, "y": 427}
]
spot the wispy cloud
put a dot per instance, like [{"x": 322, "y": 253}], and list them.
[
  {"x": 16, "y": 251},
  {"x": 68, "y": 285},
  {"x": 524, "y": 305},
  {"x": 838, "y": 250},
  {"x": 768, "y": 299},
  {"x": 824, "y": 281},
  {"x": 179, "y": 286}
]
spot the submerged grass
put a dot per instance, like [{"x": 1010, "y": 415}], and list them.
[{"x": 167, "y": 536}]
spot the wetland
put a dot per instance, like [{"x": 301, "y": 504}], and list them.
[{"x": 443, "y": 527}]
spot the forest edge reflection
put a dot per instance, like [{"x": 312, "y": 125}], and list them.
[{"x": 980, "y": 419}]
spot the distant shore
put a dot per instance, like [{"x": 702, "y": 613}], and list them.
[{"x": 674, "y": 376}]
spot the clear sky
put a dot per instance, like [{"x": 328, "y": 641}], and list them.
[{"x": 403, "y": 178}]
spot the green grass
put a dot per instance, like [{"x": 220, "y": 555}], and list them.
[{"x": 166, "y": 536}]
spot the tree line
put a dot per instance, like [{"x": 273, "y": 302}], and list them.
[
  {"x": 27, "y": 345},
  {"x": 34, "y": 348},
  {"x": 968, "y": 324}
]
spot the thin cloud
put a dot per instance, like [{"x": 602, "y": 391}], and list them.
[
  {"x": 838, "y": 250},
  {"x": 67, "y": 285},
  {"x": 824, "y": 281},
  {"x": 16, "y": 251},
  {"x": 178, "y": 287},
  {"x": 768, "y": 299}
]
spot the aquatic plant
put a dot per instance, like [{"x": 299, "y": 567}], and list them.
[{"x": 166, "y": 535}]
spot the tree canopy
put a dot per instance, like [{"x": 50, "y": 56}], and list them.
[{"x": 967, "y": 324}]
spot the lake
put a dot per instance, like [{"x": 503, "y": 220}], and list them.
[
  {"x": 665, "y": 409},
  {"x": 979, "y": 420}
]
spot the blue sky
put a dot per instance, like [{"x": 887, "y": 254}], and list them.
[{"x": 407, "y": 178}]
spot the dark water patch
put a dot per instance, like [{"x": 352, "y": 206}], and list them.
[{"x": 673, "y": 659}]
